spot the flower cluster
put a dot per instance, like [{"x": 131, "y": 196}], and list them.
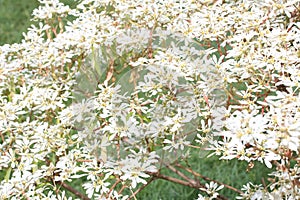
[{"x": 111, "y": 91}]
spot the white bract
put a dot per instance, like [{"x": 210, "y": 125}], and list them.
[{"x": 108, "y": 92}]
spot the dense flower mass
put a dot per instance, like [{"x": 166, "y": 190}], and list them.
[{"x": 111, "y": 91}]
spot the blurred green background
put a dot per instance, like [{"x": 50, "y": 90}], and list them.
[{"x": 15, "y": 18}]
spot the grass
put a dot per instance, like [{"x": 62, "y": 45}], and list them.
[
  {"x": 233, "y": 173},
  {"x": 15, "y": 19}
]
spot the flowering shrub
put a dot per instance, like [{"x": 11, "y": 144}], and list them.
[{"x": 112, "y": 91}]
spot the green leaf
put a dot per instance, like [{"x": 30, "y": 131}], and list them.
[{"x": 8, "y": 173}]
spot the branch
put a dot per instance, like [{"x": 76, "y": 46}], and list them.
[
  {"x": 174, "y": 180},
  {"x": 122, "y": 188},
  {"x": 185, "y": 183},
  {"x": 141, "y": 188},
  {"x": 74, "y": 191},
  {"x": 114, "y": 185},
  {"x": 208, "y": 179},
  {"x": 182, "y": 175}
]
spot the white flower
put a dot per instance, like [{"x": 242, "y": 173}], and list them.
[
  {"x": 227, "y": 68},
  {"x": 212, "y": 189},
  {"x": 97, "y": 185}
]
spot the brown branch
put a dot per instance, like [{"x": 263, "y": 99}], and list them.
[
  {"x": 141, "y": 188},
  {"x": 150, "y": 50},
  {"x": 208, "y": 179},
  {"x": 175, "y": 180},
  {"x": 182, "y": 175},
  {"x": 264, "y": 183},
  {"x": 181, "y": 182},
  {"x": 110, "y": 71},
  {"x": 122, "y": 188},
  {"x": 2, "y": 137},
  {"x": 113, "y": 187},
  {"x": 54, "y": 31},
  {"x": 74, "y": 191},
  {"x": 219, "y": 47}
]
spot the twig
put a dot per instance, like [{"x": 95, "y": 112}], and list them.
[
  {"x": 175, "y": 180},
  {"x": 83, "y": 160},
  {"x": 181, "y": 174},
  {"x": 150, "y": 50},
  {"x": 2, "y": 138},
  {"x": 181, "y": 182},
  {"x": 114, "y": 185},
  {"x": 264, "y": 183},
  {"x": 141, "y": 188},
  {"x": 74, "y": 191},
  {"x": 122, "y": 188},
  {"x": 208, "y": 179}
]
